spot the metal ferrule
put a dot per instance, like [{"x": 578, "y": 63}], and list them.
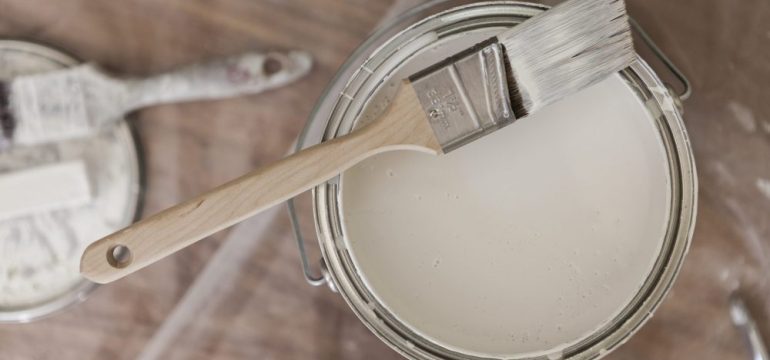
[{"x": 465, "y": 96}]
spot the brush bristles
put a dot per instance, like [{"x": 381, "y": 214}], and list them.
[
  {"x": 566, "y": 49},
  {"x": 7, "y": 122}
]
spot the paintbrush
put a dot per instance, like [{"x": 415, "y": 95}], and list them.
[
  {"x": 85, "y": 99},
  {"x": 550, "y": 56}
]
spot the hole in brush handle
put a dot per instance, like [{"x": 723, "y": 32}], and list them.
[{"x": 119, "y": 256}]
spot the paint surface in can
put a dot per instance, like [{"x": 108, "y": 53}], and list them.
[{"x": 523, "y": 242}]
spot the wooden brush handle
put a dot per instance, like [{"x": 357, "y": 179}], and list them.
[{"x": 403, "y": 126}]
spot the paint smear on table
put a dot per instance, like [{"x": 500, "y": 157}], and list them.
[
  {"x": 763, "y": 185},
  {"x": 742, "y": 116}
]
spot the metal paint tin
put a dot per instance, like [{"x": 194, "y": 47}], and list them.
[
  {"x": 358, "y": 81},
  {"x": 115, "y": 147}
]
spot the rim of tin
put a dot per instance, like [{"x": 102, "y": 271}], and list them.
[
  {"x": 127, "y": 134},
  {"x": 332, "y": 118}
]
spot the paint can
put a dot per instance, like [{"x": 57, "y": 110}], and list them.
[
  {"x": 358, "y": 92},
  {"x": 44, "y": 277}
]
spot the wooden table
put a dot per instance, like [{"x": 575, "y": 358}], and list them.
[{"x": 723, "y": 46}]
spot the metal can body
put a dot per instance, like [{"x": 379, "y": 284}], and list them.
[{"x": 337, "y": 114}]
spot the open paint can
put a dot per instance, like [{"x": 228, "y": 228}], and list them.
[
  {"x": 40, "y": 251},
  {"x": 556, "y": 237}
]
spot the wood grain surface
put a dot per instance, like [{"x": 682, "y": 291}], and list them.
[{"x": 268, "y": 311}]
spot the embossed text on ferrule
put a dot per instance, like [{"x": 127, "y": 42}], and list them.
[
  {"x": 465, "y": 97},
  {"x": 443, "y": 101}
]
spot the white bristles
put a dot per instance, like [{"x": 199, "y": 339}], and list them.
[{"x": 565, "y": 49}]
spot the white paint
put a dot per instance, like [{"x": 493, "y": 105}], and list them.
[
  {"x": 40, "y": 252},
  {"x": 742, "y": 116},
  {"x": 766, "y": 126},
  {"x": 763, "y": 185},
  {"x": 724, "y": 275},
  {"x": 723, "y": 173},
  {"x": 520, "y": 243},
  {"x": 43, "y": 188},
  {"x": 748, "y": 232},
  {"x": 667, "y": 104}
]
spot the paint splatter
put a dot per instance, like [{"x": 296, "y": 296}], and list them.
[
  {"x": 766, "y": 126},
  {"x": 743, "y": 116},
  {"x": 723, "y": 173},
  {"x": 724, "y": 274},
  {"x": 750, "y": 235},
  {"x": 763, "y": 185}
]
